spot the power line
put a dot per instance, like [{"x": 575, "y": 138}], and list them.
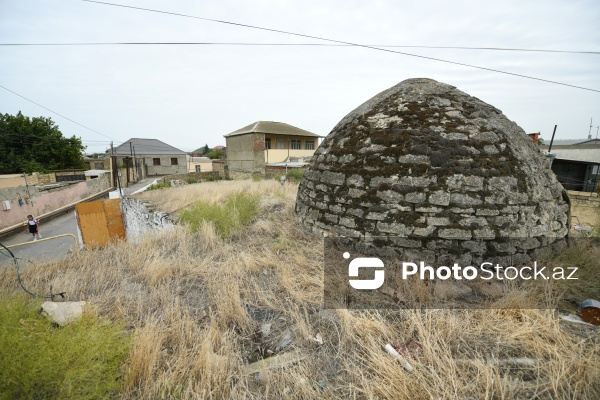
[
  {"x": 54, "y": 112},
  {"x": 342, "y": 42},
  {"x": 296, "y": 44}
]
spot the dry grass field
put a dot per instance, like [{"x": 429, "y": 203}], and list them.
[{"x": 200, "y": 307}]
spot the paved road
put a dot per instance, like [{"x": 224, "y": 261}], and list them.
[
  {"x": 56, "y": 248},
  {"x": 44, "y": 249}
]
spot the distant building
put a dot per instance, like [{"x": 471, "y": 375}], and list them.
[
  {"x": 97, "y": 163},
  {"x": 199, "y": 164},
  {"x": 152, "y": 157},
  {"x": 263, "y": 144},
  {"x": 576, "y": 163}
]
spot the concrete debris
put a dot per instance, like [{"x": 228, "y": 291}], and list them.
[
  {"x": 574, "y": 318},
  {"x": 405, "y": 364},
  {"x": 278, "y": 361},
  {"x": 63, "y": 313},
  {"x": 318, "y": 339},
  {"x": 177, "y": 182},
  {"x": 265, "y": 330}
]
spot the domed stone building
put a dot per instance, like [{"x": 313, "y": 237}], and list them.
[{"x": 424, "y": 161}]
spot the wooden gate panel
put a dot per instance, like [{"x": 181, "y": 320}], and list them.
[{"x": 100, "y": 221}]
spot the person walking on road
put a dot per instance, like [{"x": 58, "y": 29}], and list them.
[{"x": 34, "y": 225}]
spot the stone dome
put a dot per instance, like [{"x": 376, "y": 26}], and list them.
[{"x": 425, "y": 160}]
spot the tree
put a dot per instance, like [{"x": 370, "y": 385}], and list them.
[
  {"x": 214, "y": 154},
  {"x": 36, "y": 145}
]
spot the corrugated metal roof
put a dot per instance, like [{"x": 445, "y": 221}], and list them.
[
  {"x": 274, "y": 128},
  {"x": 576, "y": 154},
  {"x": 96, "y": 172},
  {"x": 567, "y": 142},
  {"x": 146, "y": 146}
]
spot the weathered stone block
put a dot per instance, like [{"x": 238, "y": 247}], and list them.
[
  {"x": 348, "y": 222},
  {"x": 379, "y": 216},
  {"x": 393, "y": 228},
  {"x": 415, "y": 197},
  {"x": 390, "y": 196},
  {"x": 438, "y": 221},
  {"x": 439, "y": 198},
  {"x": 450, "y": 233},
  {"x": 333, "y": 178},
  {"x": 357, "y": 212},
  {"x": 427, "y": 209},
  {"x": 355, "y": 193},
  {"x": 463, "y": 199}
]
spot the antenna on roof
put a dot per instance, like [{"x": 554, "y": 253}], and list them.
[{"x": 590, "y": 132}]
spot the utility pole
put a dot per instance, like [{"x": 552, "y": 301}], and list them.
[
  {"x": 136, "y": 174},
  {"x": 590, "y": 131},
  {"x": 131, "y": 155}
]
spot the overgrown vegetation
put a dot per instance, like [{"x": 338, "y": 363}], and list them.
[
  {"x": 199, "y": 305},
  {"x": 238, "y": 211},
  {"x": 214, "y": 178},
  {"x": 84, "y": 360},
  {"x": 295, "y": 175},
  {"x": 159, "y": 185}
]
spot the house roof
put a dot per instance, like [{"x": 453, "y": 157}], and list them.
[
  {"x": 199, "y": 159},
  {"x": 96, "y": 172},
  {"x": 273, "y": 128},
  {"x": 146, "y": 146},
  {"x": 570, "y": 142}
]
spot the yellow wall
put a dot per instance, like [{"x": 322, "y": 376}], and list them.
[{"x": 276, "y": 155}]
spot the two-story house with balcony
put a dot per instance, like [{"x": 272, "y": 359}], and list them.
[{"x": 264, "y": 145}]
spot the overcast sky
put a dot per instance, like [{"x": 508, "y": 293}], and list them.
[{"x": 188, "y": 96}]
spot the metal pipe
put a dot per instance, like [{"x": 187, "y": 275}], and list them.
[
  {"x": 552, "y": 140},
  {"x": 43, "y": 240}
]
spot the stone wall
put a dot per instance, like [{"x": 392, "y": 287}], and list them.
[
  {"x": 140, "y": 218},
  {"x": 199, "y": 176},
  {"x": 427, "y": 162}
]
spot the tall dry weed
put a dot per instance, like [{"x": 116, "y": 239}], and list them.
[{"x": 202, "y": 307}]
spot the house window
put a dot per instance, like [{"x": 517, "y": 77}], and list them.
[
  {"x": 198, "y": 169},
  {"x": 295, "y": 144},
  {"x": 268, "y": 143},
  {"x": 174, "y": 161},
  {"x": 309, "y": 145},
  {"x": 156, "y": 161},
  {"x": 281, "y": 144}
]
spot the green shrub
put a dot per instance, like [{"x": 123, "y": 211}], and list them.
[
  {"x": 257, "y": 177},
  {"x": 295, "y": 175},
  {"x": 191, "y": 180},
  {"x": 213, "y": 178},
  {"x": 83, "y": 360},
  {"x": 160, "y": 185},
  {"x": 238, "y": 211}
]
